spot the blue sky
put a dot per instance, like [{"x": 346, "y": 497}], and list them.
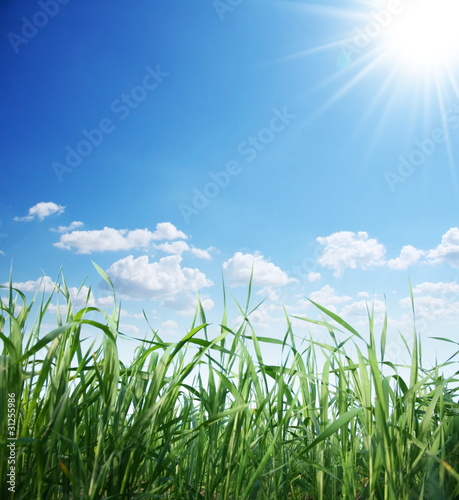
[{"x": 168, "y": 141}]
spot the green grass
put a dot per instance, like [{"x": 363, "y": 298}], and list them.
[{"x": 206, "y": 418}]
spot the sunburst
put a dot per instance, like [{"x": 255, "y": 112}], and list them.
[
  {"x": 409, "y": 47},
  {"x": 424, "y": 36}
]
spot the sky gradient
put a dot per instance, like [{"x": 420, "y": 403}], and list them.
[{"x": 175, "y": 142}]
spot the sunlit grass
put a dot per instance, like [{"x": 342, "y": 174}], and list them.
[{"x": 206, "y": 418}]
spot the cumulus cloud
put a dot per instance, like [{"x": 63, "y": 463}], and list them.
[
  {"x": 346, "y": 249},
  {"x": 328, "y": 298},
  {"x": 174, "y": 248},
  {"x": 44, "y": 284},
  {"x": 409, "y": 256},
  {"x": 41, "y": 211},
  {"x": 168, "y": 328},
  {"x": 129, "y": 329},
  {"x": 264, "y": 316},
  {"x": 268, "y": 292},
  {"x": 362, "y": 307},
  {"x": 201, "y": 253},
  {"x": 239, "y": 268},
  {"x": 105, "y": 302},
  {"x": 311, "y": 277},
  {"x": 179, "y": 247},
  {"x": 434, "y": 301},
  {"x": 80, "y": 297},
  {"x": 167, "y": 231},
  {"x": 430, "y": 308},
  {"x": 109, "y": 239},
  {"x": 446, "y": 289},
  {"x": 65, "y": 229},
  {"x": 165, "y": 281},
  {"x": 447, "y": 250}
]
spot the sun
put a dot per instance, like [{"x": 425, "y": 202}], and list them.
[{"x": 425, "y": 35}]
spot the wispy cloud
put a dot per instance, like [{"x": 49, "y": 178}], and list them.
[
  {"x": 65, "y": 229},
  {"x": 41, "y": 211}
]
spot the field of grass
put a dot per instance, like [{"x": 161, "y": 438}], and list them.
[{"x": 206, "y": 418}]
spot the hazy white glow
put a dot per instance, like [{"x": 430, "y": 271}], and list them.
[{"x": 426, "y": 33}]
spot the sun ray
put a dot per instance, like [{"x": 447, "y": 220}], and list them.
[
  {"x": 449, "y": 147},
  {"x": 413, "y": 54}
]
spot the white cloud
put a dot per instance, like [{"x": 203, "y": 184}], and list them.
[
  {"x": 429, "y": 308},
  {"x": 362, "y": 307},
  {"x": 105, "y": 302},
  {"x": 174, "y": 248},
  {"x": 327, "y": 297},
  {"x": 168, "y": 328},
  {"x": 445, "y": 289},
  {"x": 167, "y": 231},
  {"x": 346, "y": 249},
  {"x": 129, "y": 329},
  {"x": 314, "y": 277},
  {"x": 169, "y": 324},
  {"x": 165, "y": 281},
  {"x": 41, "y": 211},
  {"x": 83, "y": 297},
  {"x": 447, "y": 250},
  {"x": 65, "y": 229},
  {"x": 44, "y": 284},
  {"x": 239, "y": 268},
  {"x": 202, "y": 254},
  {"x": 124, "y": 313},
  {"x": 109, "y": 239},
  {"x": 264, "y": 316},
  {"x": 78, "y": 296},
  {"x": 409, "y": 256},
  {"x": 179, "y": 247},
  {"x": 268, "y": 292}
]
